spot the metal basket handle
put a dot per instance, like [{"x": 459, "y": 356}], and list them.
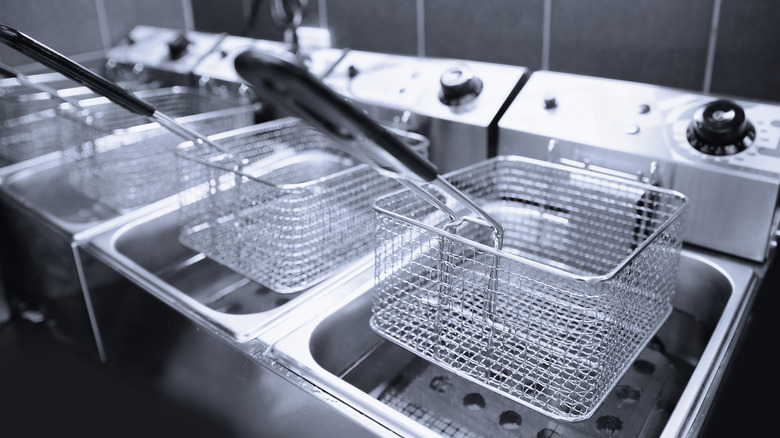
[{"x": 292, "y": 88}]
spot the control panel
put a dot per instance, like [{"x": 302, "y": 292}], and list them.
[
  {"x": 453, "y": 102},
  {"x": 723, "y": 153},
  {"x": 162, "y": 50}
]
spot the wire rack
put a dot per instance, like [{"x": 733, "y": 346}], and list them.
[
  {"x": 138, "y": 165},
  {"x": 554, "y": 318},
  {"x": 293, "y": 211},
  {"x": 18, "y": 99},
  {"x": 71, "y": 130}
]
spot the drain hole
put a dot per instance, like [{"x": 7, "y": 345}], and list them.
[
  {"x": 440, "y": 384},
  {"x": 609, "y": 424},
  {"x": 644, "y": 367},
  {"x": 627, "y": 393},
  {"x": 474, "y": 402},
  {"x": 548, "y": 433},
  {"x": 510, "y": 420}
]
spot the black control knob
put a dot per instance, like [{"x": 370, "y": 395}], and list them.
[
  {"x": 459, "y": 86},
  {"x": 720, "y": 128},
  {"x": 178, "y": 47}
]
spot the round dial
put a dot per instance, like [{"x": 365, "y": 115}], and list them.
[
  {"x": 720, "y": 128},
  {"x": 459, "y": 86}
]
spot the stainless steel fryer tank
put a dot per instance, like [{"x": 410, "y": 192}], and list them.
[
  {"x": 159, "y": 337},
  {"x": 316, "y": 352},
  {"x": 668, "y": 387},
  {"x": 42, "y": 221},
  {"x": 46, "y": 214}
]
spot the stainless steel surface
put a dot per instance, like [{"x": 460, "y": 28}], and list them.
[
  {"x": 287, "y": 211},
  {"x": 148, "y": 336},
  {"x": 216, "y": 71},
  {"x": 403, "y": 91},
  {"x": 42, "y": 220},
  {"x": 197, "y": 286},
  {"x": 123, "y": 284},
  {"x": 632, "y": 127},
  {"x": 46, "y": 218},
  {"x": 207, "y": 62},
  {"x": 337, "y": 352},
  {"x": 293, "y": 90},
  {"x": 585, "y": 278},
  {"x": 154, "y": 52}
]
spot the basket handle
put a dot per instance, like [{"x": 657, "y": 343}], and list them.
[{"x": 295, "y": 90}]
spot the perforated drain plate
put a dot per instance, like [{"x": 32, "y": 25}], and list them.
[{"x": 455, "y": 407}]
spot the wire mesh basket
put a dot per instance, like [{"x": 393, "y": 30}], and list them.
[
  {"x": 138, "y": 165},
  {"x": 18, "y": 99},
  {"x": 554, "y": 318},
  {"x": 295, "y": 210},
  {"x": 69, "y": 129}
]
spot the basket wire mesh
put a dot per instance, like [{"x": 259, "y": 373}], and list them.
[
  {"x": 71, "y": 130},
  {"x": 280, "y": 204},
  {"x": 585, "y": 277},
  {"x": 18, "y": 99},
  {"x": 137, "y": 166}
]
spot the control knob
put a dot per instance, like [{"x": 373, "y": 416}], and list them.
[
  {"x": 720, "y": 128},
  {"x": 178, "y": 47},
  {"x": 459, "y": 86}
]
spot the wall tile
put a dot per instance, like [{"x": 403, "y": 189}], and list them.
[
  {"x": 502, "y": 31},
  {"x": 655, "y": 41},
  {"x": 265, "y": 28},
  {"x": 217, "y": 16},
  {"x": 124, "y": 15},
  {"x": 388, "y": 26},
  {"x": 233, "y": 17},
  {"x": 747, "y": 53},
  {"x": 67, "y": 26}
]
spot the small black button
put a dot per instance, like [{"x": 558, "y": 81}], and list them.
[
  {"x": 550, "y": 102},
  {"x": 178, "y": 47}
]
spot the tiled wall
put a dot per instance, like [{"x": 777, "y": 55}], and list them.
[{"x": 729, "y": 47}]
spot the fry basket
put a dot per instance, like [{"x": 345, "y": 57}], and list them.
[
  {"x": 72, "y": 130},
  {"x": 137, "y": 165},
  {"x": 18, "y": 99},
  {"x": 552, "y": 319},
  {"x": 280, "y": 203}
]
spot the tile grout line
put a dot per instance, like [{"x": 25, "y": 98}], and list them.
[
  {"x": 322, "y": 10},
  {"x": 546, "y": 25},
  {"x": 421, "y": 28},
  {"x": 710, "y": 61},
  {"x": 189, "y": 16},
  {"x": 105, "y": 31}
]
